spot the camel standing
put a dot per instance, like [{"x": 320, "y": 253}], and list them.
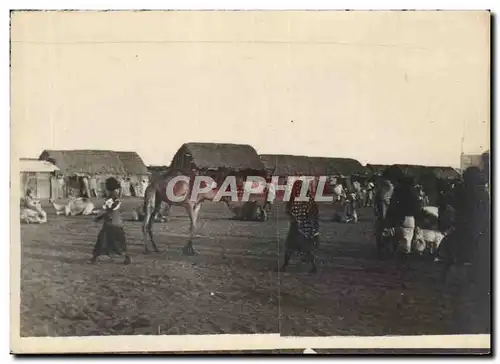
[{"x": 156, "y": 193}]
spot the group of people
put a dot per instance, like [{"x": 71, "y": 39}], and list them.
[
  {"x": 462, "y": 213},
  {"x": 395, "y": 199},
  {"x": 127, "y": 187},
  {"x": 460, "y": 222},
  {"x": 111, "y": 238},
  {"x": 351, "y": 195}
]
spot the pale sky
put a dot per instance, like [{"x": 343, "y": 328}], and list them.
[{"x": 380, "y": 87}]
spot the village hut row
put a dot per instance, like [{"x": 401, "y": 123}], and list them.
[
  {"x": 61, "y": 173},
  {"x": 218, "y": 160},
  {"x": 343, "y": 169}
]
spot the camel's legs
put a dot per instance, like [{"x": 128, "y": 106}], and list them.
[
  {"x": 166, "y": 212},
  {"x": 193, "y": 211},
  {"x": 151, "y": 208},
  {"x": 150, "y": 226}
]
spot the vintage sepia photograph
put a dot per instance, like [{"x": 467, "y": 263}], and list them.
[{"x": 241, "y": 180}]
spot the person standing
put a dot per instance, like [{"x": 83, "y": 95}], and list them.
[
  {"x": 93, "y": 187},
  {"x": 111, "y": 238},
  {"x": 370, "y": 189},
  {"x": 401, "y": 212},
  {"x": 469, "y": 244},
  {"x": 122, "y": 187},
  {"x": 144, "y": 185},
  {"x": 270, "y": 196},
  {"x": 350, "y": 208},
  {"x": 303, "y": 233}
]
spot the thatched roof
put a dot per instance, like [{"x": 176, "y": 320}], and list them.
[
  {"x": 412, "y": 170},
  {"x": 419, "y": 171},
  {"x": 348, "y": 166},
  {"x": 235, "y": 157},
  {"x": 133, "y": 163},
  {"x": 90, "y": 162},
  {"x": 288, "y": 165}
]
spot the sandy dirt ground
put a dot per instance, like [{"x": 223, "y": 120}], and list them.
[{"x": 231, "y": 287}]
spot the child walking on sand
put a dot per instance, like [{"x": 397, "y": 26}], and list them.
[{"x": 111, "y": 238}]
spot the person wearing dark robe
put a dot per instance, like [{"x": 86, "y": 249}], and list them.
[
  {"x": 471, "y": 204},
  {"x": 404, "y": 202},
  {"x": 469, "y": 244},
  {"x": 303, "y": 233},
  {"x": 111, "y": 238}
]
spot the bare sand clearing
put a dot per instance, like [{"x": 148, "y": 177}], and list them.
[{"x": 231, "y": 287}]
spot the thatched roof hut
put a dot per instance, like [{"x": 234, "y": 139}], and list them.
[
  {"x": 94, "y": 162},
  {"x": 289, "y": 165},
  {"x": 214, "y": 156},
  {"x": 85, "y": 162}
]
